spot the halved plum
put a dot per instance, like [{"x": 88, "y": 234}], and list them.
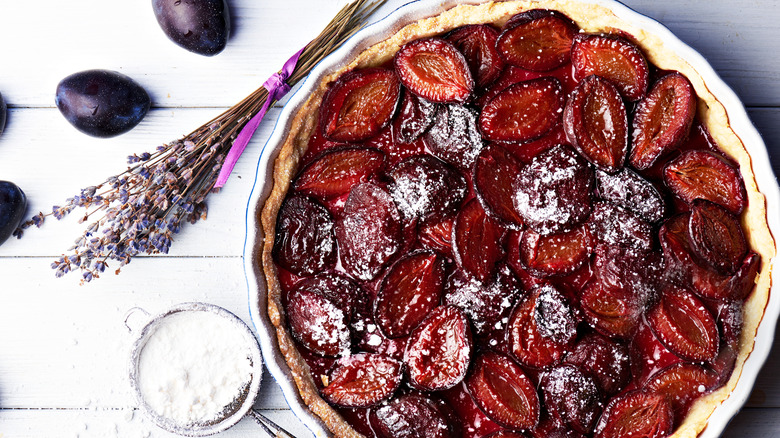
[
  {"x": 552, "y": 192},
  {"x": 439, "y": 350},
  {"x": 487, "y": 305},
  {"x": 596, "y": 123},
  {"x": 410, "y": 290},
  {"x": 411, "y": 416},
  {"x": 359, "y": 104},
  {"x": 414, "y": 118},
  {"x": 423, "y": 186},
  {"x": 318, "y": 323},
  {"x": 435, "y": 70},
  {"x": 613, "y": 58},
  {"x": 338, "y": 288},
  {"x": 605, "y": 360},
  {"x": 336, "y": 171},
  {"x": 524, "y": 111},
  {"x": 701, "y": 174},
  {"x": 494, "y": 174},
  {"x": 610, "y": 309},
  {"x": 501, "y": 389},
  {"x": 305, "y": 242},
  {"x": 477, "y": 42},
  {"x": 716, "y": 236},
  {"x": 362, "y": 380},
  {"x": 683, "y": 323},
  {"x": 538, "y": 40},
  {"x": 662, "y": 119},
  {"x": 638, "y": 414},
  {"x": 629, "y": 190},
  {"x": 555, "y": 254},
  {"x": 541, "y": 328},
  {"x": 571, "y": 397},
  {"x": 616, "y": 226},
  {"x": 682, "y": 383},
  {"x": 454, "y": 136},
  {"x": 369, "y": 231},
  {"x": 437, "y": 234},
  {"x": 476, "y": 239}
]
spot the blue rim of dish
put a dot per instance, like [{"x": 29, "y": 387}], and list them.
[{"x": 738, "y": 120}]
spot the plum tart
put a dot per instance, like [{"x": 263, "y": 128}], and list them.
[{"x": 515, "y": 219}]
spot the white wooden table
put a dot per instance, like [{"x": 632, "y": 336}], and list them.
[{"x": 64, "y": 347}]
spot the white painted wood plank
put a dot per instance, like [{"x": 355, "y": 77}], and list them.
[
  {"x": 54, "y": 39},
  {"x": 66, "y": 346},
  {"x": 124, "y": 423},
  {"x": 53, "y": 164}
]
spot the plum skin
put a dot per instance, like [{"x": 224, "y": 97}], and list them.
[
  {"x": 3, "y": 110},
  {"x": 199, "y": 26},
  {"x": 102, "y": 103},
  {"x": 13, "y": 205}
]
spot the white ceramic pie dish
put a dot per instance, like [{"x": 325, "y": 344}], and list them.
[{"x": 387, "y": 26}]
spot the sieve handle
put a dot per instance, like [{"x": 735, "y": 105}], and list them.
[
  {"x": 132, "y": 312},
  {"x": 271, "y": 428}
]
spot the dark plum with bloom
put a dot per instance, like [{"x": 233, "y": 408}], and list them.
[
  {"x": 13, "y": 204},
  {"x": 200, "y": 26},
  {"x": 102, "y": 103}
]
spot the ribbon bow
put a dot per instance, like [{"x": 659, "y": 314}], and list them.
[{"x": 277, "y": 87}]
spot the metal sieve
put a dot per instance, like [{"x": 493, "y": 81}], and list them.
[{"x": 245, "y": 396}]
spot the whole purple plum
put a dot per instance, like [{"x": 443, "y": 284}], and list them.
[{"x": 200, "y": 26}]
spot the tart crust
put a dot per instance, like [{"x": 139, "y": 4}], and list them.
[{"x": 590, "y": 18}]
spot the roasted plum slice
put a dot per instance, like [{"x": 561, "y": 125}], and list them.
[
  {"x": 607, "y": 361},
  {"x": 541, "y": 328},
  {"x": 369, "y": 231},
  {"x": 524, "y": 111},
  {"x": 552, "y": 192},
  {"x": 701, "y": 174},
  {"x": 410, "y": 290},
  {"x": 538, "y": 40},
  {"x": 362, "y": 380},
  {"x": 410, "y": 416},
  {"x": 683, "y": 268},
  {"x": 684, "y": 325},
  {"x": 318, "y": 323},
  {"x": 662, "y": 119},
  {"x": 503, "y": 433},
  {"x": 494, "y": 175},
  {"x": 596, "y": 123},
  {"x": 616, "y": 226},
  {"x": 612, "y": 310},
  {"x": 477, "y": 42},
  {"x": 476, "y": 242},
  {"x": 454, "y": 136},
  {"x": 629, "y": 190},
  {"x": 423, "y": 186},
  {"x": 487, "y": 305},
  {"x": 555, "y": 254},
  {"x": 439, "y": 350},
  {"x": 435, "y": 70},
  {"x": 414, "y": 118},
  {"x": 571, "y": 397},
  {"x": 638, "y": 414},
  {"x": 305, "y": 242},
  {"x": 359, "y": 104},
  {"x": 336, "y": 171},
  {"x": 716, "y": 236},
  {"x": 342, "y": 291},
  {"x": 682, "y": 383},
  {"x": 501, "y": 389},
  {"x": 437, "y": 234},
  {"x": 614, "y": 59}
]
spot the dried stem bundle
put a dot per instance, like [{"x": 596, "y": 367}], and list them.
[{"x": 143, "y": 207}]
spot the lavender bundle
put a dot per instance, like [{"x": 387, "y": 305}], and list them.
[{"x": 139, "y": 210}]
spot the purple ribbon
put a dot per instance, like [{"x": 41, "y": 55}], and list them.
[{"x": 277, "y": 87}]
